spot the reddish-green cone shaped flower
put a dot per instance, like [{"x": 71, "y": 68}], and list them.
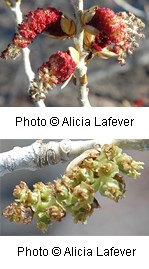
[
  {"x": 116, "y": 31},
  {"x": 50, "y": 20},
  {"x": 58, "y": 69},
  {"x": 110, "y": 27},
  {"x": 40, "y": 20}
]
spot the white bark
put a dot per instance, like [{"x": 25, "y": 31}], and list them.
[
  {"x": 81, "y": 70},
  {"x": 40, "y": 154}
]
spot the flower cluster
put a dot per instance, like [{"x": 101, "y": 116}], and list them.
[
  {"x": 58, "y": 69},
  {"x": 109, "y": 34},
  {"x": 50, "y": 20},
  {"x": 75, "y": 192},
  {"x": 106, "y": 34}
]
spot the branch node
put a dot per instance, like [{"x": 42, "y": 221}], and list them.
[
  {"x": 51, "y": 157},
  {"x": 65, "y": 147}
]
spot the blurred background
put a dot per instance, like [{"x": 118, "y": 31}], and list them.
[
  {"x": 109, "y": 83},
  {"x": 130, "y": 216}
]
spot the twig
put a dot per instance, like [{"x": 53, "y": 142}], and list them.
[
  {"x": 26, "y": 51},
  {"x": 81, "y": 68},
  {"x": 40, "y": 154}
]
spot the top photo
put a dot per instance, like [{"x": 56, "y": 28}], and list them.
[{"x": 76, "y": 53}]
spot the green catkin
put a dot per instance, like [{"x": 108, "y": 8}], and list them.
[{"x": 75, "y": 192}]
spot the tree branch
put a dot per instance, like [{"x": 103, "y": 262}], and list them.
[
  {"x": 81, "y": 67},
  {"x": 40, "y": 154}
]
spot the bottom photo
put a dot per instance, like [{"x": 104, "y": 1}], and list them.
[{"x": 74, "y": 187}]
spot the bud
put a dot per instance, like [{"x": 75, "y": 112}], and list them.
[
  {"x": 44, "y": 189},
  {"x": 56, "y": 212},
  {"x": 86, "y": 18},
  {"x": 83, "y": 213},
  {"x": 83, "y": 192},
  {"x": 111, "y": 188},
  {"x": 125, "y": 163},
  {"x": 61, "y": 189},
  {"x": 129, "y": 166},
  {"x": 21, "y": 191},
  {"x": 68, "y": 26},
  {"x": 111, "y": 152},
  {"x": 8, "y": 3},
  {"x": 18, "y": 213}
]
